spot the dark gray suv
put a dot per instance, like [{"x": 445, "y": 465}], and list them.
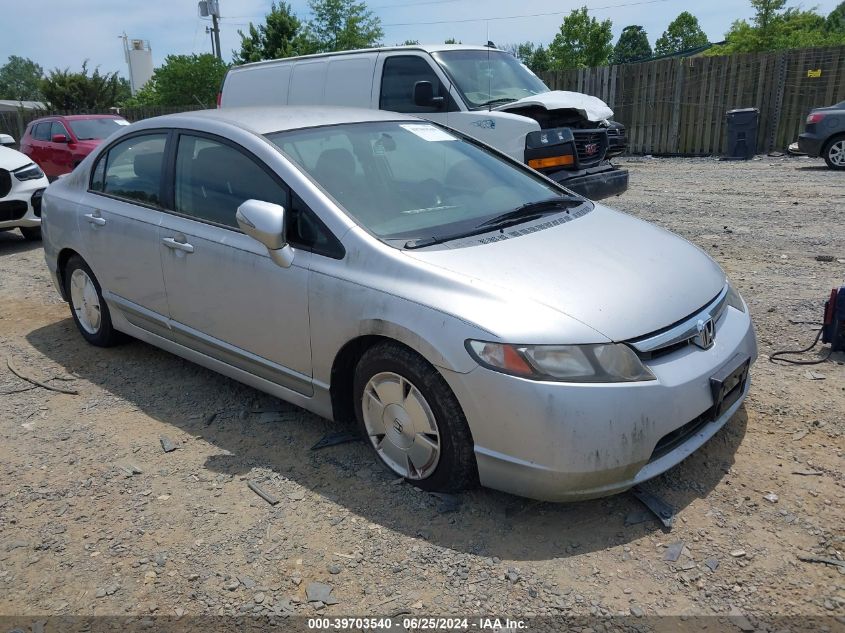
[{"x": 824, "y": 135}]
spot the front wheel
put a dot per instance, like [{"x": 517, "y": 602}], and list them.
[
  {"x": 413, "y": 420},
  {"x": 31, "y": 233},
  {"x": 89, "y": 310},
  {"x": 834, "y": 153}
]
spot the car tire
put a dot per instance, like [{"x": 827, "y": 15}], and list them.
[
  {"x": 834, "y": 152},
  {"x": 31, "y": 233},
  {"x": 87, "y": 307},
  {"x": 428, "y": 431}
]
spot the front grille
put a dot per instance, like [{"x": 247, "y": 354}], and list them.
[
  {"x": 12, "y": 210},
  {"x": 590, "y": 146},
  {"x": 5, "y": 182}
]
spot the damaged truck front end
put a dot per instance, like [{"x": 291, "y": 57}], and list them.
[
  {"x": 567, "y": 136},
  {"x": 572, "y": 149}
]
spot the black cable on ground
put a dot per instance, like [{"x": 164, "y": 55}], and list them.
[{"x": 776, "y": 356}]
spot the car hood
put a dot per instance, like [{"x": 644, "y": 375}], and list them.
[
  {"x": 620, "y": 276},
  {"x": 591, "y": 108},
  {"x": 11, "y": 159}
]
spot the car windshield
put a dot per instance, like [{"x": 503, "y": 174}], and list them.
[
  {"x": 489, "y": 77},
  {"x": 95, "y": 129},
  {"x": 412, "y": 180}
]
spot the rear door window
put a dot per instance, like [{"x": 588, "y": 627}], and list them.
[{"x": 133, "y": 169}]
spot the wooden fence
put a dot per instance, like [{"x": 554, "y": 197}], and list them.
[{"x": 677, "y": 106}]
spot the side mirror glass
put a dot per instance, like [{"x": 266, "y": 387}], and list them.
[
  {"x": 424, "y": 95},
  {"x": 265, "y": 223},
  {"x": 59, "y": 138}
]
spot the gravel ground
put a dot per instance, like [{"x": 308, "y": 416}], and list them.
[{"x": 97, "y": 519}]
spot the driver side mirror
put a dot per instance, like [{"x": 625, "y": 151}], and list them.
[
  {"x": 265, "y": 223},
  {"x": 424, "y": 95},
  {"x": 59, "y": 138}
]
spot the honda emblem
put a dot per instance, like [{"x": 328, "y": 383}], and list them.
[{"x": 706, "y": 334}]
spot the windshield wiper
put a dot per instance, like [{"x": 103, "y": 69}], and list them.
[
  {"x": 495, "y": 101},
  {"x": 531, "y": 210}
]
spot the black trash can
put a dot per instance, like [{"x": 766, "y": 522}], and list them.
[{"x": 742, "y": 134}]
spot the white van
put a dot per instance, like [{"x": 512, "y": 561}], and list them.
[{"x": 483, "y": 92}]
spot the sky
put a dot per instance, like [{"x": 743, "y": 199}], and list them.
[{"x": 61, "y": 34}]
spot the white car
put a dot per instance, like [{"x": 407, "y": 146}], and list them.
[{"x": 21, "y": 184}]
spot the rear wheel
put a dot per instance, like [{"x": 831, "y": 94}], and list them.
[
  {"x": 834, "y": 153},
  {"x": 412, "y": 419},
  {"x": 89, "y": 310},
  {"x": 31, "y": 233}
]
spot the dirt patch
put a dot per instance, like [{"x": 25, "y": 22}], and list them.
[{"x": 95, "y": 518}]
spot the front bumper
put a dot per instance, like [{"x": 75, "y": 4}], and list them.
[
  {"x": 21, "y": 206},
  {"x": 595, "y": 183},
  {"x": 810, "y": 144},
  {"x": 563, "y": 442}
]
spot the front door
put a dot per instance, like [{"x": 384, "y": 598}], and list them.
[
  {"x": 398, "y": 73},
  {"x": 227, "y": 298}
]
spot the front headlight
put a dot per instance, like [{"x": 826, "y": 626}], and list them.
[
  {"x": 28, "y": 172},
  {"x": 610, "y": 362},
  {"x": 734, "y": 299}
]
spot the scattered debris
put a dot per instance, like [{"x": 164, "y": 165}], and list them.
[
  {"x": 807, "y": 473},
  {"x": 167, "y": 445},
  {"x": 262, "y": 493},
  {"x": 130, "y": 469},
  {"x": 814, "y": 375},
  {"x": 320, "y": 592},
  {"x": 673, "y": 551},
  {"x": 825, "y": 258},
  {"x": 817, "y": 559},
  {"x": 38, "y": 383},
  {"x": 771, "y": 497},
  {"x": 333, "y": 439},
  {"x": 712, "y": 564},
  {"x": 738, "y": 553},
  {"x": 660, "y": 508}
]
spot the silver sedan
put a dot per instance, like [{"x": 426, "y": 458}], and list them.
[{"x": 478, "y": 322}]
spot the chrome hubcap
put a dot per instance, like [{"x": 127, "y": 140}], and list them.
[
  {"x": 401, "y": 426},
  {"x": 836, "y": 153},
  {"x": 85, "y": 301}
]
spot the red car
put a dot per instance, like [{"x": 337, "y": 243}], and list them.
[{"x": 59, "y": 143}]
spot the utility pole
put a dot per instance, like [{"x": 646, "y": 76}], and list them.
[{"x": 212, "y": 8}]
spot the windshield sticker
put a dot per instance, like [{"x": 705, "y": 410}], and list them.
[
  {"x": 121, "y": 122},
  {"x": 487, "y": 124},
  {"x": 428, "y": 132}
]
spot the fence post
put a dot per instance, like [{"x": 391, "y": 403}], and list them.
[
  {"x": 675, "y": 121},
  {"x": 777, "y": 104}
]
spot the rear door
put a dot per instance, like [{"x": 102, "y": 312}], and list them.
[
  {"x": 40, "y": 152},
  {"x": 119, "y": 227},
  {"x": 227, "y": 298}
]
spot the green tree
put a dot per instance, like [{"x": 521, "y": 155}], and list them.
[
  {"x": 835, "y": 22},
  {"x": 632, "y": 45},
  {"x": 451, "y": 40},
  {"x": 582, "y": 42},
  {"x": 20, "y": 79},
  {"x": 682, "y": 34},
  {"x": 281, "y": 35},
  {"x": 342, "y": 25},
  {"x": 66, "y": 90},
  {"x": 411, "y": 43},
  {"x": 540, "y": 61},
  {"x": 774, "y": 28},
  {"x": 183, "y": 80}
]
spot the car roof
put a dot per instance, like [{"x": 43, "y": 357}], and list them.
[
  {"x": 428, "y": 48},
  {"x": 268, "y": 119},
  {"x": 76, "y": 117}
]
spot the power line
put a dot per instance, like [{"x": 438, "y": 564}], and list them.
[{"x": 524, "y": 15}]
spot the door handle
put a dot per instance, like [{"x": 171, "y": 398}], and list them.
[
  {"x": 96, "y": 220},
  {"x": 169, "y": 242}
]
